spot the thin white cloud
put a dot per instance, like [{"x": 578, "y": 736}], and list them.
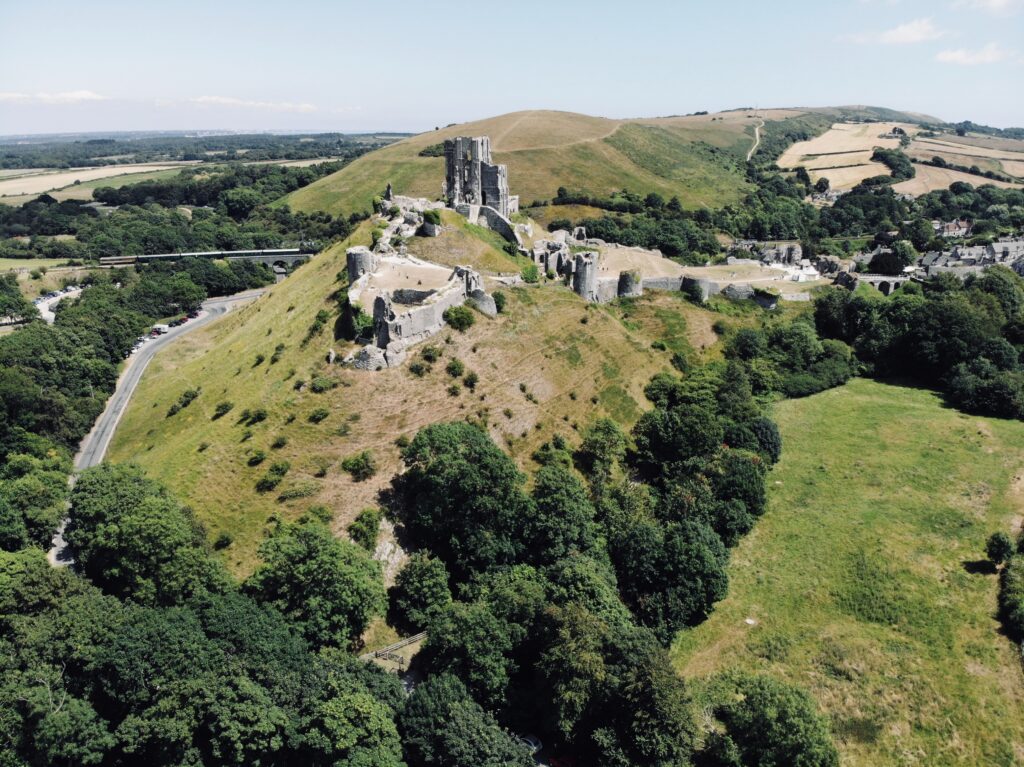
[
  {"x": 916, "y": 31},
  {"x": 999, "y": 7},
  {"x": 272, "y": 106},
  {"x": 65, "y": 97},
  {"x": 988, "y": 54}
]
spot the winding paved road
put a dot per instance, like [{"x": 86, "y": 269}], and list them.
[{"x": 94, "y": 445}]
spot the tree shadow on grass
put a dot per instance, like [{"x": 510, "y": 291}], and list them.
[{"x": 979, "y": 567}]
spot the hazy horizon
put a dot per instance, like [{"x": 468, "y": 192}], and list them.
[{"x": 321, "y": 67}]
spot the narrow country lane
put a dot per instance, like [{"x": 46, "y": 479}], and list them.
[{"x": 94, "y": 446}]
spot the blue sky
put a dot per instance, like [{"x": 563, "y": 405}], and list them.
[{"x": 408, "y": 66}]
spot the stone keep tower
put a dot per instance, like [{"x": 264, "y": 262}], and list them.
[{"x": 472, "y": 179}]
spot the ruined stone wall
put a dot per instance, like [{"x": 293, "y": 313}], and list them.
[
  {"x": 472, "y": 178},
  {"x": 500, "y": 224},
  {"x": 662, "y": 283},
  {"x": 360, "y": 260},
  {"x": 630, "y": 284}
]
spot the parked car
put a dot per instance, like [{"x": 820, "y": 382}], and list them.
[{"x": 532, "y": 742}]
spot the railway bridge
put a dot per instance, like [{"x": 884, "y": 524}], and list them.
[{"x": 277, "y": 257}]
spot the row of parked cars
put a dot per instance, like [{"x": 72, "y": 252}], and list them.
[
  {"x": 159, "y": 330},
  {"x": 55, "y": 294}
]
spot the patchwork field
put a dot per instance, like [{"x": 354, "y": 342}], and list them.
[
  {"x": 843, "y": 156},
  {"x": 37, "y": 183},
  {"x": 843, "y": 153},
  {"x": 550, "y": 364},
  {"x": 545, "y": 150},
  {"x": 928, "y": 179},
  {"x": 861, "y": 583}
]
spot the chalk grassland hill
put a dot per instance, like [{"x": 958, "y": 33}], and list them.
[
  {"x": 842, "y": 154},
  {"x": 691, "y": 157},
  {"x": 861, "y": 581},
  {"x": 550, "y": 364}
]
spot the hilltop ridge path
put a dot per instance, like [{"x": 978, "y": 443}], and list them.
[
  {"x": 757, "y": 140},
  {"x": 94, "y": 445}
]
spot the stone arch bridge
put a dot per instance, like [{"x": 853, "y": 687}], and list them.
[{"x": 885, "y": 283}]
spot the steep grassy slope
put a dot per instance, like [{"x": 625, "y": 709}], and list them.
[
  {"x": 545, "y": 150},
  {"x": 860, "y": 582},
  {"x": 550, "y": 364}
]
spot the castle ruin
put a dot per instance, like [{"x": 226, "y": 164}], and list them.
[
  {"x": 477, "y": 188},
  {"x": 470, "y": 178}
]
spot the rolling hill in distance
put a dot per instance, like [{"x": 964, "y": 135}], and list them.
[{"x": 698, "y": 158}]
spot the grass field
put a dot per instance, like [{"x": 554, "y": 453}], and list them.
[
  {"x": 9, "y": 264},
  {"x": 545, "y": 150},
  {"x": 550, "y": 364},
  {"x": 860, "y": 582}
]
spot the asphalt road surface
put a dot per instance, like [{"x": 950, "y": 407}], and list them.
[
  {"x": 94, "y": 446},
  {"x": 46, "y": 306}
]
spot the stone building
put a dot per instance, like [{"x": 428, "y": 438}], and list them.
[{"x": 471, "y": 178}]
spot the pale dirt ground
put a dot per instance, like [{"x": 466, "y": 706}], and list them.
[
  {"x": 1014, "y": 168},
  {"x": 969, "y": 149},
  {"x": 861, "y": 138},
  {"x": 395, "y": 273},
  {"x": 615, "y": 260},
  {"x": 12, "y": 172},
  {"x": 44, "y": 182},
  {"x": 929, "y": 179},
  {"x": 757, "y": 276},
  {"x": 848, "y": 178},
  {"x": 856, "y": 157},
  {"x": 844, "y": 137}
]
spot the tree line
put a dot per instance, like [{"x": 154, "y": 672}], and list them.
[
  {"x": 962, "y": 336},
  {"x": 231, "y": 211},
  {"x": 127, "y": 149},
  {"x": 552, "y": 607}
]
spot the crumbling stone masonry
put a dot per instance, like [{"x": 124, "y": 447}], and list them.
[
  {"x": 405, "y": 315},
  {"x": 472, "y": 179},
  {"x": 477, "y": 188}
]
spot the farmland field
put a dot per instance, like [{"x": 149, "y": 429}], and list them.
[
  {"x": 928, "y": 179},
  {"x": 38, "y": 183},
  {"x": 843, "y": 156},
  {"x": 861, "y": 582}
]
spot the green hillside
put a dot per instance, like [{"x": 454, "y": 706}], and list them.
[
  {"x": 859, "y": 582},
  {"x": 551, "y": 363},
  {"x": 691, "y": 157},
  {"x": 698, "y": 158}
]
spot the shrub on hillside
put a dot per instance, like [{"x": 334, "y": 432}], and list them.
[
  {"x": 273, "y": 477},
  {"x": 1011, "y": 596},
  {"x": 432, "y": 216},
  {"x": 183, "y": 402},
  {"x": 319, "y": 415},
  {"x": 500, "y": 301},
  {"x": 365, "y": 528},
  {"x": 455, "y": 367},
  {"x": 459, "y": 317},
  {"x": 222, "y": 409},
  {"x": 360, "y": 466},
  {"x": 530, "y": 273},
  {"x": 320, "y": 384}
]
